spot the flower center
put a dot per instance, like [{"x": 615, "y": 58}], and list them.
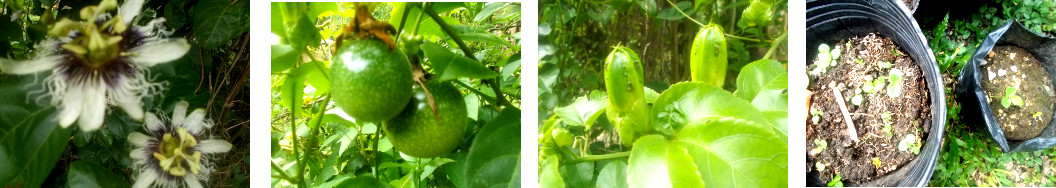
[
  {"x": 98, "y": 43},
  {"x": 174, "y": 154}
]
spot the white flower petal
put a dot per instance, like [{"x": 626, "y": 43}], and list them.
[
  {"x": 145, "y": 178},
  {"x": 153, "y": 53},
  {"x": 30, "y": 66},
  {"x": 70, "y": 106},
  {"x": 139, "y": 139},
  {"x": 214, "y": 146},
  {"x": 179, "y": 113},
  {"x": 153, "y": 123},
  {"x": 194, "y": 121},
  {"x": 140, "y": 155},
  {"x": 130, "y": 9},
  {"x": 125, "y": 98},
  {"x": 93, "y": 106},
  {"x": 192, "y": 181}
]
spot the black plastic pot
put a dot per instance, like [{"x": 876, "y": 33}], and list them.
[
  {"x": 974, "y": 106},
  {"x": 829, "y": 21}
]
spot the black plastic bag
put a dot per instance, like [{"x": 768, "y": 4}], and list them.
[
  {"x": 829, "y": 21},
  {"x": 974, "y": 106}
]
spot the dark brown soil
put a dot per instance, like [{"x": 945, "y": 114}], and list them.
[
  {"x": 1011, "y": 66},
  {"x": 910, "y": 112}
]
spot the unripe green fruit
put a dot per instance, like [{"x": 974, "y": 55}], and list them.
[
  {"x": 417, "y": 132},
  {"x": 623, "y": 78},
  {"x": 623, "y": 81},
  {"x": 562, "y": 137},
  {"x": 370, "y": 82},
  {"x": 708, "y": 61}
]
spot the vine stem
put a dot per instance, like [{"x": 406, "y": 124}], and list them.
[
  {"x": 743, "y": 38},
  {"x": 296, "y": 152},
  {"x": 491, "y": 100},
  {"x": 315, "y": 130},
  {"x": 493, "y": 82},
  {"x": 684, "y": 13},
  {"x": 702, "y": 25},
  {"x": 282, "y": 173},
  {"x": 775, "y": 44}
]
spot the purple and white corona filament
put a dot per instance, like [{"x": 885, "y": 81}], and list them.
[
  {"x": 175, "y": 152},
  {"x": 100, "y": 61}
]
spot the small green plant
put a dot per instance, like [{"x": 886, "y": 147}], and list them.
[
  {"x": 815, "y": 115},
  {"x": 836, "y": 181},
  {"x": 883, "y": 64},
  {"x": 857, "y": 99},
  {"x": 820, "y": 166},
  {"x": 1011, "y": 98},
  {"x": 909, "y": 144},
  {"x": 826, "y": 58},
  {"x": 886, "y": 116},
  {"x": 874, "y": 86},
  {"x": 821, "y": 146},
  {"x": 894, "y": 50},
  {"x": 895, "y": 89},
  {"x": 1037, "y": 115}
]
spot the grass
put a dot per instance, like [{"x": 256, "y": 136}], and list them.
[{"x": 969, "y": 157}]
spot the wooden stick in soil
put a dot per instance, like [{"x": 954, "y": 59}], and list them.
[{"x": 846, "y": 116}]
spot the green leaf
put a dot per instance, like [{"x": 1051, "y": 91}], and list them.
[
  {"x": 578, "y": 174},
  {"x": 731, "y": 152},
  {"x": 486, "y": 38},
  {"x": 292, "y": 90},
  {"x": 449, "y": 65},
  {"x": 651, "y": 95},
  {"x": 494, "y": 156},
  {"x": 428, "y": 26},
  {"x": 585, "y": 110},
  {"x": 773, "y": 96},
  {"x": 613, "y": 175},
  {"x": 678, "y": 160},
  {"x": 757, "y": 75},
  {"x": 688, "y": 101},
  {"x": 550, "y": 175},
  {"x": 758, "y": 13},
  {"x": 283, "y": 57},
  {"x": 318, "y": 77},
  {"x": 31, "y": 148},
  {"x": 216, "y": 22},
  {"x": 363, "y": 181},
  {"x": 488, "y": 10},
  {"x": 319, "y": 9},
  {"x": 90, "y": 174},
  {"x": 648, "y": 7},
  {"x": 647, "y": 165},
  {"x": 673, "y": 14}
]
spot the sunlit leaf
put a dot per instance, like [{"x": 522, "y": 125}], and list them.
[
  {"x": 492, "y": 160},
  {"x": 451, "y": 66},
  {"x": 488, "y": 10}
]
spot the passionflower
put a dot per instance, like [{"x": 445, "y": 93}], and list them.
[
  {"x": 100, "y": 61},
  {"x": 175, "y": 152}
]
